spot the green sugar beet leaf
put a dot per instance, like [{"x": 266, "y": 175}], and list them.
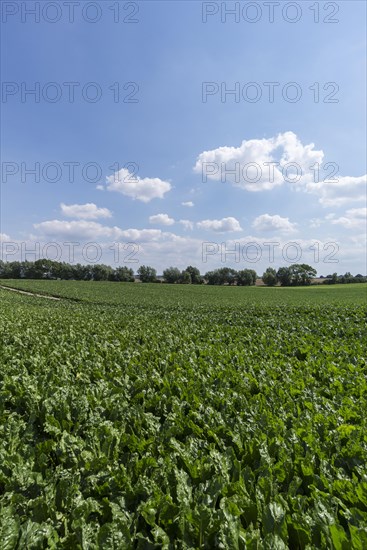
[{"x": 182, "y": 417}]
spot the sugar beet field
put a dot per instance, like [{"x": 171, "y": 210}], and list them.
[{"x": 142, "y": 416}]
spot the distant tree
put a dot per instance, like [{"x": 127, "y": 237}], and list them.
[
  {"x": 64, "y": 271},
  {"x": 347, "y": 278},
  {"x": 123, "y": 274},
  {"x": 270, "y": 277},
  {"x": 302, "y": 274},
  {"x": 147, "y": 274},
  {"x": 284, "y": 276},
  {"x": 344, "y": 279},
  {"x": 81, "y": 272},
  {"x": 172, "y": 275},
  {"x": 101, "y": 272},
  {"x": 221, "y": 276},
  {"x": 246, "y": 277},
  {"x": 33, "y": 270},
  {"x": 22, "y": 270},
  {"x": 42, "y": 269},
  {"x": 227, "y": 275},
  {"x": 296, "y": 275},
  {"x": 50, "y": 269},
  {"x": 196, "y": 278},
  {"x": 334, "y": 278},
  {"x": 211, "y": 277},
  {"x": 15, "y": 270},
  {"x": 185, "y": 278},
  {"x": 5, "y": 270},
  {"x": 331, "y": 279}
]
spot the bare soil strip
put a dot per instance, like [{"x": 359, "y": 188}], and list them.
[{"x": 30, "y": 293}]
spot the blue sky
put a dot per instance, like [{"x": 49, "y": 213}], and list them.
[{"x": 172, "y": 137}]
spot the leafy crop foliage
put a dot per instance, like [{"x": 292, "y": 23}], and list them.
[{"x": 146, "y": 418}]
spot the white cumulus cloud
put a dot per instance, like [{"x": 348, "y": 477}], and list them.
[
  {"x": 141, "y": 235},
  {"x": 190, "y": 204},
  {"x": 161, "y": 219},
  {"x": 263, "y": 164},
  {"x": 83, "y": 229},
  {"x": 266, "y": 222},
  {"x": 354, "y": 218},
  {"x": 221, "y": 226},
  {"x": 142, "y": 189},
  {"x": 161, "y": 248},
  {"x": 76, "y": 229},
  {"x": 260, "y": 164},
  {"x": 187, "y": 224},
  {"x": 341, "y": 191},
  {"x": 88, "y": 211}
]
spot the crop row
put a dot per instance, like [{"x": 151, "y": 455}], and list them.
[{"x": 153, "y": 427}]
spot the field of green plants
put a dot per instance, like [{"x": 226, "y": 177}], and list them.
[{"x": 141, "y": 416}]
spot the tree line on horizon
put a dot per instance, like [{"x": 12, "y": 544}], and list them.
[{"x": 293, "y": 275}]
